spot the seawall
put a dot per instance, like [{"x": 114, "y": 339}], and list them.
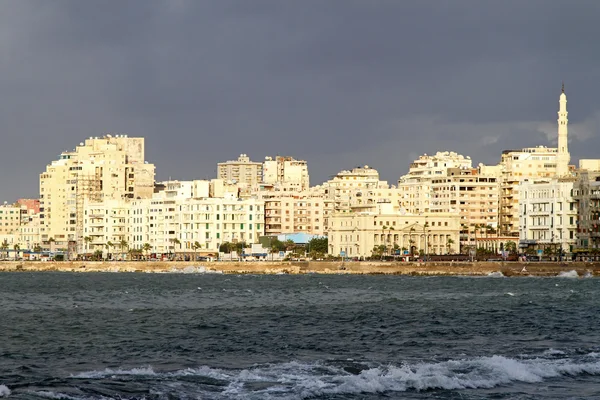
[{"x": 319, "y": 267}]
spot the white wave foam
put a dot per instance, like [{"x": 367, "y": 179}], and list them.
[
  {"x": 554, "y": 352},
  {"x": 114, "y": 372},
  {"x": 4, "y": 391},
  {"x": 496, "y": 274},
  {"x": 509, "y": 294},
  {"x": 568, "y": 274},
  {"x": 305, "y": 380}
]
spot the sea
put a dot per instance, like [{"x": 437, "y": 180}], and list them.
[{"x": 201, "y": 335}]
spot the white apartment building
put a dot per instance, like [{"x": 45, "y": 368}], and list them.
[
  {"x": 356, "y": 234},
  {"x": 416, "y": 185},
  {"x": 548, "y": 215},
  {"x": 587, "y": 195},
  {"x": 172, "y": 221},
  {"x": 110, "y": 167}
]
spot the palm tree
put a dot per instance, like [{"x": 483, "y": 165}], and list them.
[
  {"x": 411, "y": 241},
  {"x": 196, "y": 246},
  {"x": 109, "y": 245},
  {"x": 4, "y": 246},
  {"x": 449, "y": 243},
  {"x": 123, "y": 245},
  {"x": 175, "y": 242},
  {"x": 16, "y": 247},
  {"x": 147, "y": 247},
  {"x": 87, "y": 241}
]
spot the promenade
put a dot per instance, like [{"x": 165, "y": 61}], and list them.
[{"x": 318, "y": 267}]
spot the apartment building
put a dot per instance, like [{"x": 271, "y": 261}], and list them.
[
  {"x": 99, "y": 169},
  {"x": 294, "y": 212},
  {"x": 286, "y": 172},
  {"x": 416, "y": 186},
  {"x": 587, "y": 196},
  {"x": 10, "y": 218},
  {"x": 548, "y": 215},
  {"x": 248, "y": 174},
  {"x": 356, "y": 234}
]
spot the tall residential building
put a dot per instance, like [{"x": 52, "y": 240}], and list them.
[
  {"x": 294, "y": 212},
  {"x": 243, "y": 171},
  {"x": 548, "y": 215},
  {"x": 416, "y": 185},
  {"x": 587, "y": 195},
  {"x": 10, "y": 218},
  {"x": 106, "y": 168},
  {"x": 471, "y": 194}
]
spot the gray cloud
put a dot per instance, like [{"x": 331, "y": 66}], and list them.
[{"x": 338, "y": 83}]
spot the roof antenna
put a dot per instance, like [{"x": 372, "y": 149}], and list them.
[{"x": 563, "y": 86}]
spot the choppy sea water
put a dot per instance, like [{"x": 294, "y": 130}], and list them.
[{"x": 209, "y": 336}]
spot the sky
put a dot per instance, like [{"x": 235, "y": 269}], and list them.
[{"x": 338, "y": 83}]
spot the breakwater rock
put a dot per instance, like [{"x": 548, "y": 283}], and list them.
[{"x": 318, "y": 267}]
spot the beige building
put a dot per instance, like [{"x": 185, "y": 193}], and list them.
[
  {"x": 248, "y": 174},
  {"x": 416, "y": 185},
  {"x": 472, "y": 195},
  {"x": 587, "y": 196},
  {"x": 294, "y": 212},
  {"x": 106, "y": 168},
  {"x": 10, "y": 218},
  {"x": 286, "y": 173},
  {"x": 356, "y": 234}
]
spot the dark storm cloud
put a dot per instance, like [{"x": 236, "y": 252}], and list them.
[{"x": 338, "y": 83}]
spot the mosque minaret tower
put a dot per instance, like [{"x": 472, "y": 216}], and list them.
[{"x": 563, "y": 157}]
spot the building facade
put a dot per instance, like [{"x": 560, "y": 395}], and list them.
[{"x": 357, "y": 234}]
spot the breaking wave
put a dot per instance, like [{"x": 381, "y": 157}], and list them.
[
  {"x": 568, "y": 274},
  {"x": 306, "y": 380},
  {"x": 496, "y": 274},
  {"x": 4, "y": 391}
]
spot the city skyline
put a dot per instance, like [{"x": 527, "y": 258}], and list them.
[{"x": 335, "y": 84}]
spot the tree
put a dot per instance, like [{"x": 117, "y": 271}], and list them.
[
  {"x": 97, "y": 255},
  {"x": 4, "y": 246},
  {"x": 411, "y": 241},
  {"x": 196, "y": 246},
  {"x": 109, "y": 245},
  {"x": 276, "y": 246},
  {"x": 147, "y": 247},
  {"x": 289, "y": 245},
  {"x": 318, "y": 246},
  {"x": 87, "y": 241},
  {"x": 37, "y": 248},
  {"x": 449, "y": 243},
  {"x": 123, "y": 245},
  {"x": 16, "y": 247},
  {"x": 511, "y": 247}
]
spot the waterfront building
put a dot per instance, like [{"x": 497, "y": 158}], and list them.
[
  {"x": 172, "y": 222},
  {"x": 548, "y": 216},
  {"x": 587, "y": 196},
  {"x": 294, "y": 212},
  {"x": 473, "y": 196},
  {"x": 106, "y": 168},
  {"x": 357, "y": 234}
]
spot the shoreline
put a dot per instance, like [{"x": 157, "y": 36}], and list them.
[{"x": 310, "y": 267}]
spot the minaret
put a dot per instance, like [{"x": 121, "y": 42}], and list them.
[{"x": 563, "y": 157}]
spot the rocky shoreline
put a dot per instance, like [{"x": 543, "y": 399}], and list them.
[{"x": 318, "y": 267}]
